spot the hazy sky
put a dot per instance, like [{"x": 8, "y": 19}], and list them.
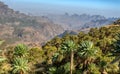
[{"x": 39, "y": 7}]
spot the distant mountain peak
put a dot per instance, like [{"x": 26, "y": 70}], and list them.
[{"x": 76, "y": 21}]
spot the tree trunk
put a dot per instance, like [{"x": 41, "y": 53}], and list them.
[
  {"x": 84, "y": 65},
  {"x": 84, "y": 68},
  {"x": 71, "y": 62},
  {"x": 104, "y": 72},
  {"x": 21, "y": 72}
]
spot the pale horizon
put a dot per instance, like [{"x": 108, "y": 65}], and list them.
[{"x": 107, "y": 8}]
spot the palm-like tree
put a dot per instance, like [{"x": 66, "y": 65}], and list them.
[
  {"x": 69, "y": 46},
  {"x": 20, "y": 65},
  {"x": 88, "y": 52},
  {"x": 21, "y": 50}
]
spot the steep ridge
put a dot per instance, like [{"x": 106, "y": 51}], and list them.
[{"x": 16, "y": 27}]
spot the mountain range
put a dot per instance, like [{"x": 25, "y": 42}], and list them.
[
  {"x": 77, "y": 22},
  {"x": 17, "y": 27}
]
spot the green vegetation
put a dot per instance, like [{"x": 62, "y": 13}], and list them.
[
  {"x": 2, "y": 58},
  {"x": 88, "y": 53},
  {"x": 95, "y": 52},
  {"x": 21, "y": 50},
  {"x": 70, "y": 47},
  {"x": 20, "y": 65}
]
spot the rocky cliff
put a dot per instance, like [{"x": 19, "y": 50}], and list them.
[{"x": 16, "y": 27}]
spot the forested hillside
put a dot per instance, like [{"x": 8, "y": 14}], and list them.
[
  {"x": 95, "y": 52},
  {"x": 39, "y": 45}
]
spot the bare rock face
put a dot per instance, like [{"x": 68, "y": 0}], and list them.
[{"x": 16, "y": 27}]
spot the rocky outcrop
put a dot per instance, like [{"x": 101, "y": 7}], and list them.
[{"x": 16, "y": 27}]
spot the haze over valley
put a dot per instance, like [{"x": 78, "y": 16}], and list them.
[
  {"x": 31, "y": 28},
  {"x": 107, "y": 8}
]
